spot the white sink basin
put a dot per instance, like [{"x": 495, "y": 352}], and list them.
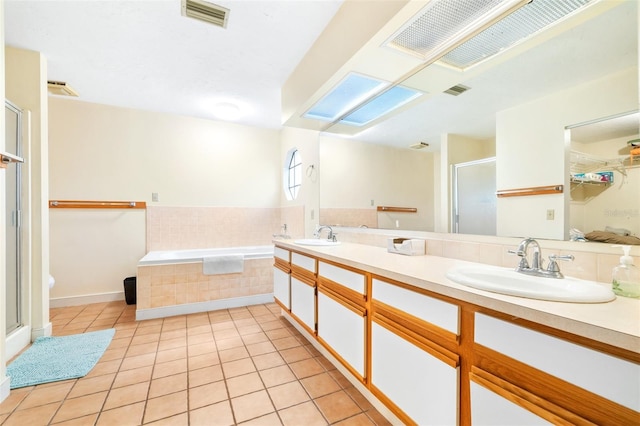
[
  {"x": 316, "y": 242},
  {"x": 507, "y": 281}
]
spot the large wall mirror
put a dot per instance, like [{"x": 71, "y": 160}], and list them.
[{"x": 379, "y": 167}]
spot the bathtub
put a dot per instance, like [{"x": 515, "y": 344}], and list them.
[
  {"x": 196, "y": 255},
  {"x": 172, "y": 282}
]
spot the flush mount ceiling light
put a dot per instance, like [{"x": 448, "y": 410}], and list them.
[
  {"x": 443, "y": 25},
  {"x": 518, "y": 26},
  {"x": 205, "y": 11},
  {"x": 226, "y": 111},
  {"x": 60, "y": 88},
  {"x": 358, "y": 100}
]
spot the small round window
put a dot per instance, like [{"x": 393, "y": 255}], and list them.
[{"x": 292, "y": 174}]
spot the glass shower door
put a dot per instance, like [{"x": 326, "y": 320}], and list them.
[{"x": 13, "y": 120}]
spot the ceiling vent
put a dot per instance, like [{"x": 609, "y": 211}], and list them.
[
  {"x": 60, "y": 88},
  {"x": 457, "y": 90},
  {"x": 419, "y": 145},
  {"x": 205, "y": 11}
]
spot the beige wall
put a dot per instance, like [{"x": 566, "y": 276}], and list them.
[
  {"x": 25, "y": 79},
  {"x": 4, "y": 380},
  {"x": 100, "y": 152},
  {"x": 531, "y": 150},
  {"x": 357, "y": 175}
]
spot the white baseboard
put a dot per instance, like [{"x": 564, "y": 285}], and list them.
[
  {"x": 45, "y": 331},
  {"x": 61, "y": 302},
  {"x": 5, "y": 388},
  {"x": 17, "y": 341},
  {"x": 386, "y": 412},
  {"x": 193, "y": 308}
]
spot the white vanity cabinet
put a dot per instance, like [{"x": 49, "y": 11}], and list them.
[
  {"x": 282, "y": 278},
  {"x": 490, "y": 409},
  {"x": 412, "y": 361},
  {"x": 303, "y": 290},
  {"x": 342, "y": 315},
  {"x": 541, "y": 373}
]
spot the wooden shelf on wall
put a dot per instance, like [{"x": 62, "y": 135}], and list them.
[
  {"x": 76, "y": 204},
  {"x": 390, "y": 209},
  {"x": 534, "y": 190}
]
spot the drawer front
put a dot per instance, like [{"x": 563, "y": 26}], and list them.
[
  {"x": 350, "y": 279},
  {"x": 303, "y": 303},
  {"x": 282, "y": 287},
  {"x": 282, "y": 254},
  {"x": 304, "y": 262},
  {"x": 442, "y": 314},
  {"x": 610, "y": 377},
  {"x": 488, "y": 408}
]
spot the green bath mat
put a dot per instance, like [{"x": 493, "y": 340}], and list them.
[{"x": 50, "y": 359}]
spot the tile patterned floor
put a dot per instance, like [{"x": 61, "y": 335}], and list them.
[{"x": 244, "y": 366}]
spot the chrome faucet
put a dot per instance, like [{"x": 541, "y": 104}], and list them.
[
  {"x": 330, "y": 236},
  {"x": 284, "y": 234},
  {"x": 536, "y": 268}
]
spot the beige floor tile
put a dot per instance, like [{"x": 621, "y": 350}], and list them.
[
  {"x": 260, "y": 348},
  {"x": 271, "y": 419},
  {"x": 295, "y": 354},
  {"x": 288, "y": 394},
  {"x": 286, "y": 343},
  {"x": 145, "y": 338},
  {"x": 219, "y": 414},
  {"x": 256, "y": 337},
  {"x": 201, "y": 361},
  {"x": 245, "y": 384},
  {"x": 86, "y": 386},
  {"x": 128, "y": 415},
  {"x": 245, "y": 330},
  {"x": 15, "y": 397},
  {"x": 269, "y": 360},
  {"x": 201, "y": 338},
  {"x": 130, "y": 377},
  {"x": 306, "y": 414},
  {"x": 233, "y": 354},
  {"x": 207, "y": 394},
  {"x": 181, "y": 419},
  {"x": 120, "y": 343},
  {"x": 127, "y": 395},
  {"x": 250, "y": 406},
  {"x": 205, "y": 375},
  {"x": 42, "y": 395},
  {"x": 82, "y": 406},
  {"x": 40, "y": 415},
  {"x": 89, "y": 420},
  {"x": 225, "y": 334},
  {"x": 171, "y": 354},
  {"x": 202, "y": 348},
  {"x": 277, "y": 375},
  {"x": 199, "y": 329},
  {"x": 165, "y": 406},
  {"x": 177, "y": 342},
  {"x": 278, "y": 333},
  {"x": 173, "y": 334},
  {"x": 114, "y": 353},
  {"x": 233, "y": 342},
  {"x": 306, "y": 368},
  {"x": 170, "y": 368},
  {"x": 358, "y": 420},
  {"x": 238, "y": 368},
  {"x": 167, "y": 385},
  {"x": 337, "y": 406},
  {"x": 144, "y": 348},
  {"x": 320, "y": 385},
  {"x": 139, "y": 361}
]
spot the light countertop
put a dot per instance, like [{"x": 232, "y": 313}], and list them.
[{"x": 616, "y": 323}]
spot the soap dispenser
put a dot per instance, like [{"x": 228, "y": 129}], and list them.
[{"x": 626, "y": 276}]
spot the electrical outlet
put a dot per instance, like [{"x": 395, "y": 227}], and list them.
[
  {"x": 154, "y": 196},
  {"x": 551, "y": 214},
  {"x": 371, "y": 203},
  {"x": 313, "y": 213}
]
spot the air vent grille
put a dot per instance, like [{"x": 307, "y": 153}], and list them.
[
  {"x": 419, "y": 145},
  {"x": 205, "y": 11},
  {"x": 457, "y": 90},
  {"x": 60, "y": 88}
]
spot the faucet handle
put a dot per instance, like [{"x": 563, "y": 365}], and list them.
[{"x": 553, "y": 265}]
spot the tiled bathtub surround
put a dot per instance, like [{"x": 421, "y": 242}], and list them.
[
  {"x": 184, "y": 228},
  {"x": 184, "y": 283}
]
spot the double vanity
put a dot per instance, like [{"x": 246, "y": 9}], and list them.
[{"x": 426, "y": 349}]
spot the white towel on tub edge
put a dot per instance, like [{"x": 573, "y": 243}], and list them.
[{"x": 223, "y": 264}]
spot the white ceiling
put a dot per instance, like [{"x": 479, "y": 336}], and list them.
[{"x": 145, "y": 55}]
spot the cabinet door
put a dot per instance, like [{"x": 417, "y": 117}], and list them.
[
  {"x": 282, "y": 287},
  {"x": 490, "y": 409},
  {"x": 303, "y": 303},
  {"x": 421, "y": 385},
  {"x": 343, "y": 329}
]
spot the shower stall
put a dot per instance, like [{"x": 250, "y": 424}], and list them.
[{"x": 13, "y": 182}]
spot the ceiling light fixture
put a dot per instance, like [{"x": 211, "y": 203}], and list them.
[{"x": 226, "y": 111}]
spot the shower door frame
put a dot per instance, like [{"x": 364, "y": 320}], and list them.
[{"x": 16, "y": 212}]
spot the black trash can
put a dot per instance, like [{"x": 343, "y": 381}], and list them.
[{"x": 130, "y": 290}]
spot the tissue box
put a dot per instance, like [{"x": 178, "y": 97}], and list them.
[{"x": 406, "y": 246}]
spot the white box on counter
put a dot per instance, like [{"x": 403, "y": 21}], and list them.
[{"x": 406, "y": 246}]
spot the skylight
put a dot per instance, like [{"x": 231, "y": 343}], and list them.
[{"x": 356, "y": 96}]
